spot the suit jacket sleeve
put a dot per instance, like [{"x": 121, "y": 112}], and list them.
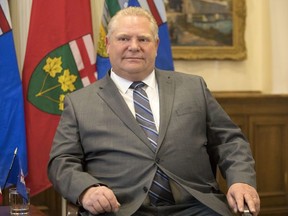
[
  {"x": 66, "y": 165},
  {"x": 227, "y": 145}
]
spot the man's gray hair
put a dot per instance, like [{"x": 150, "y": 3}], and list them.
[{"x": 133, "y": 11}]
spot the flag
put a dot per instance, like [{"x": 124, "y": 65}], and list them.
[
  {"x": 59, "y": 59},
  {"x": 12, "y": 126},
  {"x": 164, "y": 58},
  {"x": 16, "y": 176}
]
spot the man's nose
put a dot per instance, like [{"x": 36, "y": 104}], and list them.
[{"x": 134, "y": 45}]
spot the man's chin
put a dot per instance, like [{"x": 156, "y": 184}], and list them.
[{"x": 134, "y": 67}]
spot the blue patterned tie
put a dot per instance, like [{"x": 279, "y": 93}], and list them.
[{"x": 160, "y": 192}]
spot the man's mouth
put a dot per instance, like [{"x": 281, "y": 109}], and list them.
[{"x": 133, "y": 58}]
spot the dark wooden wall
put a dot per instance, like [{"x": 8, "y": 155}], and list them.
[{"x": 264, "y": 120}]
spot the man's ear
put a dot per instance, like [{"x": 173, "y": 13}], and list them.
[
  {"x": 157, "y": 42},
  {"x": 107, "y": 44}
]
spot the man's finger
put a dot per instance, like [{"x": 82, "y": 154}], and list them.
[{"x": 232, "y": 203}]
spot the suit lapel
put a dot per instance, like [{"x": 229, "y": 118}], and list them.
[
  {"x": 166, "y": 95},
  {"x": 110, "y": 94}
]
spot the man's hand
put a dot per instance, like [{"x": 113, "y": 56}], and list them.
[
  {"x": 99, "y": 199},
  {"x": 240, "y": 193}
]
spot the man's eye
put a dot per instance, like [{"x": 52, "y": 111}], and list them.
[
  {"x": 144, "y": 40},
  {"x": 123, "y": 39}
]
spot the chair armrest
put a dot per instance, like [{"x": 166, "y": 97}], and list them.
[
  {"x": 71, "y": 209},
  {"x": 246, "y": 211}
]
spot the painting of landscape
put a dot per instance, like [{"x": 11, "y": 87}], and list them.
[
  {"x": 200, "y": 22},
  {"x": 207, "y": 29}
]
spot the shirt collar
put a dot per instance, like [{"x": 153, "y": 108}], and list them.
[{"x": 124, "y": 84}]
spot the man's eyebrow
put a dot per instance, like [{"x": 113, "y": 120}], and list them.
[
  {"x": 128, "y": 35},
  {"x": 122, "y": 35}
]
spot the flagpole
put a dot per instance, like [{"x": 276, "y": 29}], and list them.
[{"x": 11, "y": 165}]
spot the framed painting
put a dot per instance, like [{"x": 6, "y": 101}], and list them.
[{"x": 207, "y": 29}]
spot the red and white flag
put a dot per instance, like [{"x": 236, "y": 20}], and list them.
[
  {"x": 5, "y": 24},
  {"x": 59, "y": 59}
]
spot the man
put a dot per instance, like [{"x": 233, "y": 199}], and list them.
[{"x": 103, "y": 159}]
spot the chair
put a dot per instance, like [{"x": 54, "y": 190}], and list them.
[
  {"x": 72, "y": 210},
  {"x": 246, "y": 212}
]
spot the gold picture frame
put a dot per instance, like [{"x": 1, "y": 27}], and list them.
[{"x": 236, "y": 50}]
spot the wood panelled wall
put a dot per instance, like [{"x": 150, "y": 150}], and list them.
[{"x": 264, "y": 120}]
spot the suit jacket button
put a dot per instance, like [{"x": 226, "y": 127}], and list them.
[
  {"x": 145, "y": 189},
  {"x": 157, "y": 160}
]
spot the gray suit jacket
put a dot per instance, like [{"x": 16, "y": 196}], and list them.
[{"x": 99, "y": 141}]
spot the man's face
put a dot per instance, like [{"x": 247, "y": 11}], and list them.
[{"x": 132, "y": 48}]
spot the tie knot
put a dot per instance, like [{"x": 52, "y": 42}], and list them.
[{"x": 137, "y": 84}]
